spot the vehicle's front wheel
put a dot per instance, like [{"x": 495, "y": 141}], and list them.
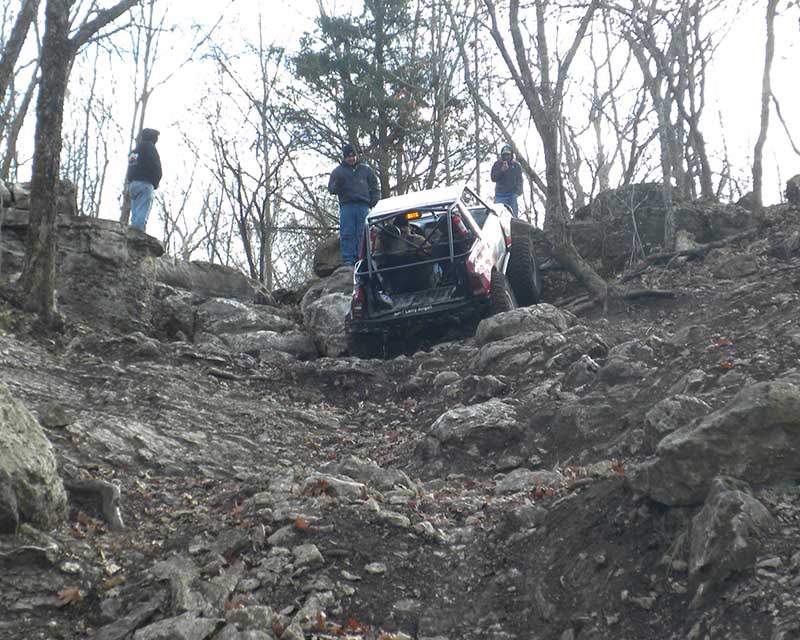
[
  {"x": 501, "y": 296},
  {"x": 523, "y": 272},
  {"x": 365, "y": 345}
]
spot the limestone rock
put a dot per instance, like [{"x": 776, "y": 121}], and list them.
[
  {"x": 210, "y": 280},
  {"x": 341, "y": 281},
  {"x": 489, "y": 426},
  {"x": 187, "y": 626},
  {"x": 327, "y": 257},
  {"x": 293, "y": 343},
  {"x": 544, "y": 318},
  {"x": 324, "y": 319},
  {"x": 670, "y": 414},
  {"x": 793, "y": 190},
  {"x": 105, "y": 271},
  {"x": 725, "y": 536}
]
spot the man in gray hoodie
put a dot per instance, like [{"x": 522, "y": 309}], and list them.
[{"x": 357, "y": 188}]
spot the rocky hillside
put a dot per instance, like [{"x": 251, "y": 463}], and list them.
[{"x": 216, "y": 469}]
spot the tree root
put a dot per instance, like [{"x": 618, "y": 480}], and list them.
[{"x": 108, "y": 494}]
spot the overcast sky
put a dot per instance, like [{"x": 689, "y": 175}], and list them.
[{"x": 733, "y": 90}]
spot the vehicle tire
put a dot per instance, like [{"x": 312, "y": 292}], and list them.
[
  {"x": 364, "y": 345},
  {"x": 501, "y": 296},
  {"x": 523, "y": 272}
]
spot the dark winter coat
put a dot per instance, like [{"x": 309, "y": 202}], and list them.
[
  {"x": 354, "y": 184},
  {"x": 144, "y": 164},
  {"x": 509, "y": 181}
]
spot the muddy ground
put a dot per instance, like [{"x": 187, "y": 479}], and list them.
[{"x": 214, "y": 455}]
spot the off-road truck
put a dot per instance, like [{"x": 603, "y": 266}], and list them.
[{"x": 435, "y": 256}]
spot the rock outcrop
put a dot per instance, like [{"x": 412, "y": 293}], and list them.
[
  {"x": 755, "y": 438},
  {"x": 606, "y": 231},
  {"x": 105, "y": 271}
]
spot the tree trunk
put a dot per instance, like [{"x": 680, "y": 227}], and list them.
[
  {"x": 39, "y": 272},
  {"x": 556, "y": 225},
  {"x": 766, "y": 92},
  {"x": 13, "y": 46},
  {"x": 37, "y": 281},
  {"x": 12, "y": 135}
]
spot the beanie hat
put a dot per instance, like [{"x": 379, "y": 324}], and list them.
[
  {"x": 348, "y": 150},
  {"x": 506, "y": 149},
  {"x": 150, "y": 134}
]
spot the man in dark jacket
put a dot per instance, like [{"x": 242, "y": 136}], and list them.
[
  {"x": 144, "y": 174},
  {"x": 357, "y": 188},
  {"x": 507, "y": 176}
]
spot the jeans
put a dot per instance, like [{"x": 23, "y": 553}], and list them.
[
  {"x": 510, "y": 199},
  {"x": 351, "y": 228},
  {"x": 141, "y": 202}
]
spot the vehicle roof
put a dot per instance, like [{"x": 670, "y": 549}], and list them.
[{"x": 426, "y": 198}]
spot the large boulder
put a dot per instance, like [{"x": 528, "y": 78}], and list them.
[
  {"x": 475, "y": 430},
  {"x": 324, "y": 319},
  {"x": 324, "y": 307},
  {"x": 224, "y": 315},
  {"x": 30, "y": 487},
  {"x": 327, "y": 257},
  {"x": 755, "y": 437},
  {"x": 793, "y": 190},
  {"x": 340, "y": 281},
  {"x": 210, "y": 280},
  {"x": 66, "y": 197}
]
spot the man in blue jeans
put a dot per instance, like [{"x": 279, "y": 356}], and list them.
[
  {"x": 507, "y": 176},
  {"x": 357, "y": 188},
  {"x": 144, "y": 174}
]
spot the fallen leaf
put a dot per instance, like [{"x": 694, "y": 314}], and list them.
[
  {"x": 70, "y": 595},
  {"x": 319, "y": 625},
  {"x": 301, "y": 524},
  {"x": 354, "y": 626},
  {"x": 113, "y": 582}
]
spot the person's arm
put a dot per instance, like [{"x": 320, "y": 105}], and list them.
[
  {"x": 156, "y": 168},
  {"x": 497, "y": 170},
  {"x": 374, "y": 189},
  {"x": 335, "y": 182},
  {"x": 519, "y": 179}
]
